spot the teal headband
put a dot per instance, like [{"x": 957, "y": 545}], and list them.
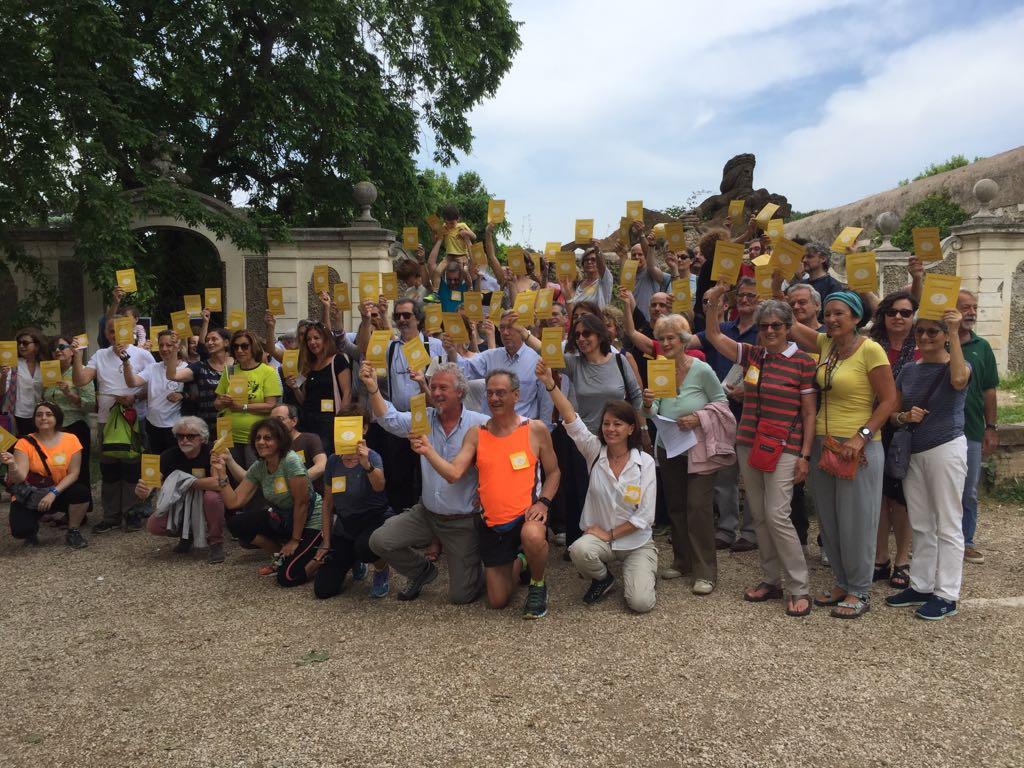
[{"x": 850, "y": 299}]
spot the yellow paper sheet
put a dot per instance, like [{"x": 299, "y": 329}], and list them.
[
  {"x": 478, "y": 254},
  {"x": 8, "y": 354},
  {"x": 736, "y": 211},
  {"x": 418, "y": 409},
  {"x": 862, "y": 272},
  {"x": 434, "y": 223},
  {"x": 635, "y": 210},
  {"x": 661, "y": 377},
  {"x": 275, "y": 301},
  {"x": 454, "y": 327},
  {"x": 846, "y": 239},
  {"x": 212, "y": 299},
  {"x": 776, "y": 228},
  {"x": 236, "y": 320},
  {"x": 473, "y": 303},
  {"x": 675, "y": 236},
  {"x": 348, "y": 431},
  {"x": 369, "y": 286},
  {"x": 552, "y": 248},
  {"x": 50, "y": 371},
  {"x": 389, "y": 285},
  {"x": 938, "y": 295},
  {"x": 516, "y": 261},
  {"x": 377, "y": 349},
  {"x": 927, "y": 246},
  {"x": 416, "y": 356},
  {"x": 432, "y": 317},
  {"x": 787, "y": 257},
  {"x": 155, "y": 330},
  {"x": 126, "y": 280},
  {"x": 321, "y": 278},
  {"x": 624, "y": 231},
  {"x": 524, "y": 307},
  {"x": 194, "y": 304},
  {"x": 290, "y": 362},
  {"x": 342, "y": 296},
  {"x": 83, "y": 340},
  {"x": 545, "y": 298},
  {"x": 410, "y": 238},
  {"x": 682, "y": 298},
  {"x": 627, "y": 274},
  {"x": 225, "y": 435},
  {"x": 151, "y": 470},
  {"x": 238, "y": 388},
  {"x": 728, "y": 258},
  {"x": 763, "y": 278},
  {"x": 565, "y": 265},
  {"x": 180, "y": 324},
  {"x": 551, "y": 347},
  {"x": 7, "y": 440},
  {"x": 495, "y": 211},
  {"x": 584, "y": 232},
  {"x": 765, "y": 214},
  {"x": 124, "y": 330}
]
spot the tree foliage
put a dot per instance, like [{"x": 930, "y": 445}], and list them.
[
  {"x": 956, "y": 161},
  {"x": 936, "y": 210},
  {"x": 288, "y": 103},
  {"x": 468, "y": 193}
]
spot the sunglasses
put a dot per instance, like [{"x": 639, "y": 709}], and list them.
[
  {"x": 403, "y": 315},
  {"x": 25, "y": 342},
  {"x": 931, "y": 333},
  {"x": 747, "y": 296},
  {"x": 583, "y": 334},
  {"x": 62, "y": 347},
  {"x": 904, "y": 313},
  {"x": 243, "y": 346},
  {"x": 186, "y": 436},
  {"x": 771, "y": 326}
]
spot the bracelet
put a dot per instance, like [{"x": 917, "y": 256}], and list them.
[
  {"x": 54, "y": 491},
  {"x": 374, "y": 391},
  {"x": 551, "y": 388}
]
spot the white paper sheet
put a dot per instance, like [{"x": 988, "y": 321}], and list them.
[{"x": 674, "y": 439}]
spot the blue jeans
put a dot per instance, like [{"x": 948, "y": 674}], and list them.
[{"x": 970, "y": 497}]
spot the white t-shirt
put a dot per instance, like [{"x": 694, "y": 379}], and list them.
[
  {"x": 30, "y": 390},
  {"x": 161, "y": 412},
  {"x": 110, "y": 376}
]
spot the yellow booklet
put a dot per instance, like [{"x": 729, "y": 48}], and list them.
[
  {"x": 389, "y": 285},
  {"x": 212, "y": 299},
  {"x": 377, "y": 349},
  {"x": 124, "y": 330},
  {"x": 9, "y": 353},
  {"x": 290, "y": 362},
  {"x": 275, "y": 301},
  {"x": 776, "y": 228},
  {"x": 624, "y": 231},
  {"x": 155, "y": 331},
  {"x": 545, "y": 298},
  {"x": 927, "y": 246},
  {"x": 478, "y": 254},
  {"x": 862, "y": 272},
  {"x": 7, "y": 440},
  {"x": 635, "y": 210},
  {"x": 736, "y": 211},
  {"x": 432, "y": 318},
  {"x": 728, "y": 258},
  {"x": 50, "y": 370},
  {"x": 846, "y": 239},
  {"x": 82, "y": 339},
  {"x": 236, "y": 320},
  {"x": 369, "y": 286},
  {"x": 180, "y": 324},
  {"x": 765, "y": 214},
  {"x": 454, "y": 327},
  {"x": 584, "y": 232},
  {"x": 787, "y": 257},
  {"x": 763, "y": 278},
  {"x": 410, "y": 238},
  {"x": 524, "y": 307},
  {"x": 238, "y": 388},
  {"x": 516, "y": 262},
  {"x": 551, "y": 347},
  {"x": 418, "y": 409},
  {"x": 682, "y": 298},
  {"x": 194, "y": 304},
  {"x": 495, "y": 211},
  {"x": 416, "y": 356},
  {"x": 938, "y": 295},
  {"x": 627, "y": 274},
  {"x": 225, "y": 435},
  {"x": 348, "y": 431},
  {"x": 435, "y": 223},
  {"x": 565, "y": 265},
  {"x": 126, "y": 280},
  {"x": 661, "y": 377},
  {"x": 473, "y": 303},
  {"x": 552, "y": 248},
  {"x": 342, "y": 296},
  {"x": 151, "y": 470},
  {"x": 675, "y": 236},
  {"x": 321, "y": 278}
]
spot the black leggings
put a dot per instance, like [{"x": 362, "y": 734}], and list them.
[
  {"x": 25, "y": 522},
  {"x": 80, "y": 429},
  {"x": 347, "y": 548},
  {"x": 277, "y": 527}
]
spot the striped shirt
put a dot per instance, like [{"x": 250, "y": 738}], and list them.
[{"x": 778, "y": 382}]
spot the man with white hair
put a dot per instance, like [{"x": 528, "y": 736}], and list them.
[
  {"x": 190, "y": 455},
  {"x": 445, "y": 511},
  {"x": 805, "y": 301}
]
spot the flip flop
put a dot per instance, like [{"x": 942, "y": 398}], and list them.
[
  {"x": 768, "y": 592},
  {"x": 791, "y": 611}
]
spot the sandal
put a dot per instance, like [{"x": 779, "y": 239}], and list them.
[
  {"x": 762, "y": 592},
  {"x": 882, "y": 571},
  {"x": 828, "y": 599},
  {"x": 900, "y": 578},
  {"x": 856, "y": 608},
  {"x": 793, "y": 600}
]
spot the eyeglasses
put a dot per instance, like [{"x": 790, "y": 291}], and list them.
[
  {"x": 931, "y": 333},
  {"x": 583, "y": 334},
  {"x": 62, "y": 347},
  {"x": 403, "y": 315},
  {"x": 243, "y": 346},
  {"x": 684, "y": 256},
  {"x": 26, "y": 342},
  {"x": 771, "y": 326},
  {"x": 746, "y": 295},
  {"x": 186, "y": 436},
  {"x": 904, "y": 313}
]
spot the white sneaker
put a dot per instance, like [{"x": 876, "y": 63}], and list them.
[
  {"x": 670, "y": 573},
  {"x": 703, "y": 587},
  {"x": 560, "y": 539}
]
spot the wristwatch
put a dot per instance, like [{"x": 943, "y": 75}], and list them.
[
  {"x": 865, "y": 432},
  {"x": 545, "y": 501},
  {"x": 991, "y": 426},
  {"x": 245, "y": 406}
]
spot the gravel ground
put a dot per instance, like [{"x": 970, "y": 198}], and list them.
[{"x": 126, "y": 654}]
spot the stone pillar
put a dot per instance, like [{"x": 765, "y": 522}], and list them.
[{"x": 989, "y": 250}]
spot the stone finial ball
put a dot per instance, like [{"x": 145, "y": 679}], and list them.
[
  {"x": 985, "y": 190},
  {"x": 887, "y": 223},
  {"x": 365, "y": 193}
]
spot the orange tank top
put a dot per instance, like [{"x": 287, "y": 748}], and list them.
[{"x": 508, "y": 474}]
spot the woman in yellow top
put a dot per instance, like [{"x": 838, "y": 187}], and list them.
[
  {"x": 264, "y": 391},
  {"x": 857, "y": 396}
]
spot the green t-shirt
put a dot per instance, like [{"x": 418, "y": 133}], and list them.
[
  {"x": 275, "y": 485},
  {"x": 263, "y": 383},
  {"x": 984, "y": 375}
]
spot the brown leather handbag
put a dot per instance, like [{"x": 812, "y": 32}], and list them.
[{"x": 832, "y": 460}]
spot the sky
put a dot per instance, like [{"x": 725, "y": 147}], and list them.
[{"x": 646, "y": 100}]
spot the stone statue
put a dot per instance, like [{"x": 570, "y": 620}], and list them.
[{"x": 738, "y": 184}]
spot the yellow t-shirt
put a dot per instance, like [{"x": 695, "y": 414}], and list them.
[
  {"x": 850, "y": 398},
  {"x": 454, "y": 245}
]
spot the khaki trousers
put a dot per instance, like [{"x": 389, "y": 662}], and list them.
[{"x": 591, "y": 556}]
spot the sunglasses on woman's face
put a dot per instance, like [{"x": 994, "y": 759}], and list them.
[
  {"x": 25, "y": 342},
  {"x": 584, "y": 334},
  {"x": 62, "y": 347},
  {"x": 771, "y": 326},
  {"x": 931, "y": 333},
  {"x": 904, "y": 313},
  {"x": 242, "y": 346}
]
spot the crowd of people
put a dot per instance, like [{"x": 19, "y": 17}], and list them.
[{"x": 716, "y": 419}]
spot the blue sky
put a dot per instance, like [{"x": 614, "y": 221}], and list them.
[{"x": 608, "y": 102}]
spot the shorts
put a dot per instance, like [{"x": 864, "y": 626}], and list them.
[{"x": 499, "y": 547}]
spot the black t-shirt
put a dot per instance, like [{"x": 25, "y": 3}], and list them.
[
  {"x": 173, "y": 459},
  {"x": 319, "y": 387},
  {"x": 308, "y": 446}
]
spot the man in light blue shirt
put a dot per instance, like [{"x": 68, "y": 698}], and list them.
[{"x": 446, "y": 511}]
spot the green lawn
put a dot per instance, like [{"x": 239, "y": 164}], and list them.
[{"x": 1012, "y": 412}]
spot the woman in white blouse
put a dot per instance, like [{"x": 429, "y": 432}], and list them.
[{"x": 619, "y": 509}]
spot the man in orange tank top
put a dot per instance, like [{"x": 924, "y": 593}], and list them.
[{"x": 506, "y": 451}]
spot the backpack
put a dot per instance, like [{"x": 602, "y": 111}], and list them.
[{"x": 122, "y": 438}]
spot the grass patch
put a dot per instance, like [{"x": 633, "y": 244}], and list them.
[
  {"x": 1008, "y": 492},
  {"x": 1012, "y": 411}
]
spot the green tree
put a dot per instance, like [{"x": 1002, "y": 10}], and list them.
[
  {"x": 936, "y": 210},
  {"x": 956, "y": 161},
  {"x": 286, "y": 103}
]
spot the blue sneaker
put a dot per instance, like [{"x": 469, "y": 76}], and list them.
[
  {"x": 907, "y": 598},
  {"x": 381, "y": 584},
  {"x": 935, "y": 609},
  {"x": 358, "y": 571}
]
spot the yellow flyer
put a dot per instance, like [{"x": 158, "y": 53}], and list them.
[
  {"x": 661, "y": 376},
  {"x": 846, "y": 239},
  {"x": 545, "y": 298},
  {"x": 321, "y": 278},
  {"x": 682, "y": 298},
  {"x": 124, "y": 330},
  {"x": 82, "y": 339},
  {"x": 126, "y": 280},
  {"x": 473, "y": 303},
  {"x": 348, "y": 431},
  {"x": 369, "y": 286},
  {"x": 736, "y": 211},
  {"x": 787, "y": 257},
  {"x": 551, "y": 347},
  {"x": 565, "y": 265},
  {"x": 151, "y": 470},
  {"x": 776, "y": 228},
  {"x": 862, "y": 272},
  {"x": 938, "y": 294},
  {"x": 225, "y": 435},
  {"x": 9, "y": 353},
  {"x": 410, "y": 238},
  {"x": 416, "y": 356},
  {"x": 180, "y": 324},
  {"x": 236, "y": 320},
  {"x": 212, "y": 299},
  {"x": 7, "y": 440},
  {"x": 635, "y": 210},
  {"x": 435, "y": 223},
  {"x": 342, "y": 296},
  {"x": 627, "y": 274},
  {"x": 50, "y": 370},
  {"x": 728, "y": 258},
  {"x": 927, "y": 246},
  {"x": 495, "y": 307},
  {"x": 432, "y": 317},
  {"x": 377, "y": 349},
  {"x": 763, "y": 278},
  {"x": 478, "y": 254},
  {"x": 155, "y": 331},
  {"x": 675, "y": 235},
  {"x": 275, "y": 301},
  {"x": 552, "y": 248},
  {"x": 290, "y": 362},
  {"x": 495, "y": 211},
  {"x": 418, "y": 409},
  {"x": 584, "y": 232},
  {"x": 454, "y": 327},
  {"x": 389, "y": 285},
  {"x": 238, "y": 388},
  {"x": 194, "y": 304},
  {"x": 524, "y": 306},
  {"x": 624, "y": 231},
  {"x": 516, "y": 261},
  {"x": 765, "y": 214}
]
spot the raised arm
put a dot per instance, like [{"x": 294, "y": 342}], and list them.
[
  {"x": 131, "y": 379},
  {"x": 453, "y": 470},
  {"x": 805, "y": 338},
  {"x": 546, "y": 377},
  {"x": 173, "y": 372},
  {"x": 80, "y": 375},
  {"x": 959, "y": 372},
  {"x": 544, "y": 450},
  {"x": 641, "y": 342},
  {"x": 727, "y": 347},
  {"x": 433, "y": 270}
]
